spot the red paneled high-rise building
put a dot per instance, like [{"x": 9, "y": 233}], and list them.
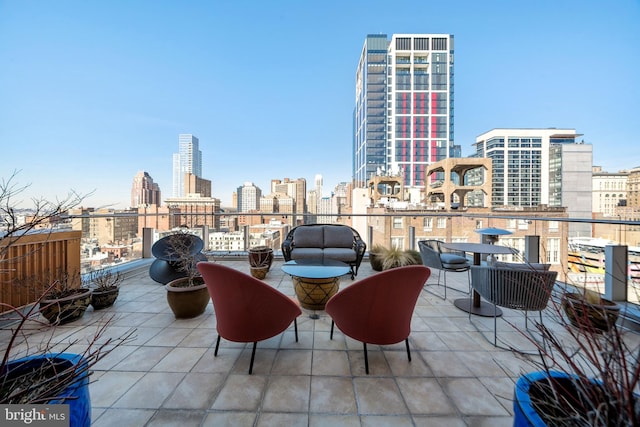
[{"x": 403, "y": 117}]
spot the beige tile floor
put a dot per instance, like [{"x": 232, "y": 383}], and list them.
[{"x": 167, "y": 375}]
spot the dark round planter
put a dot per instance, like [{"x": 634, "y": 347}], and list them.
[
  {"x": 103, "y": 298},
  {"x": 75, "y": 393},
  {"x": 590, "y": 317},
  {"x": 261, "y": 256},
  {"x": 67, "y": 307},
  {"x": 375, "y": 261},
  {"x": 187, "y": 301}
]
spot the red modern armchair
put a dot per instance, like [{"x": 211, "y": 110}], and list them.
[
  {"x": 247, "y": 309},
  {"x": 378, "y": 309}
]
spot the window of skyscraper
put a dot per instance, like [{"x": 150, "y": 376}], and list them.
[
  {"x": 403, "y": 43},
  {"x": 439, "y": 43},
  {"x": 421, "y": 43}
]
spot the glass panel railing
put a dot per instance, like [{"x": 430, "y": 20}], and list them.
[{"x": 113, "y": 239}]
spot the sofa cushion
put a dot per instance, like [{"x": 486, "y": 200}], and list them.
[
  {"x": 307, "y": 253},
  {"x": 308, "y": 237},
  {"x": 340, "y": 254},
  {"x": 336, "y": 236}
]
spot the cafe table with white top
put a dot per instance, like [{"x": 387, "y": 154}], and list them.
[{"x": 475, "y": 306}]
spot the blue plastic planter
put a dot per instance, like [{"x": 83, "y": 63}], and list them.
[
  {"x": 75, "y": 395},
  {"x": 523, "y": 413}
]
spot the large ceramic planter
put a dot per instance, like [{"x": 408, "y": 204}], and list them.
[
  {"x": 590, "y": 317},
  {"x": 103, "y": 298},
  {"x": 75, "y": 393},
  {"x": 187, "y": 301},
  {"x": 260, "y": 256},
  {"x": 67, "y": 307},
  {"x": 260, "y": 260}
]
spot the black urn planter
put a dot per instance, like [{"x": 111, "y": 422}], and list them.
[
  {"x": 65, "y": 307},
  {"x": 104, "y": 297}
]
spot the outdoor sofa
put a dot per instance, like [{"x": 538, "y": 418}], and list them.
[{"x": 325, "y": 241}]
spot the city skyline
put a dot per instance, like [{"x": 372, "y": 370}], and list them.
[{"x": 94, "y": 93}]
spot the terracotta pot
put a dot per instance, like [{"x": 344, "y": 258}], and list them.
[
  {"x": 187, "y": 301},
  {"x": 590, "y": 317},
  {"x": 103, "y": 298},
  {"x": 261, "y": 256},
  {"x": 66, "y": 308}
]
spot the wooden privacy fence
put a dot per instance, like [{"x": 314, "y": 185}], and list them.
[{"x": 33, "y": 261}]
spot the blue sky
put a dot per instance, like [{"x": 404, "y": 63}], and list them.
[{"x": 91, "y": 92}]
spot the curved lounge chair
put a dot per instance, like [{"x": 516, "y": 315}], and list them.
[
  {"x": 378, "y": 309},
  {"x": 526, "y": 288},
  {"x": 247, "y": 309}
]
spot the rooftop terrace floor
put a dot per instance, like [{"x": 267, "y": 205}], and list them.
[{"x": 168, "y": 376}]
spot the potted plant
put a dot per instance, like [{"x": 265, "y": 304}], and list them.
[
  {"x": 187, "y": 296},
  {"x": 376, "y": 254},
  {"x": 260, "y": 260},
  {"x": 588, "y": 377},
  {"x": 106, "y": 287},
  {"x": 41, "y": 375},
  {"x": 417, "y": 259},
  {"x": 589, "y": 310},
  {"x": 385, "y": 258},
  {"x": 66, "y": 300}
]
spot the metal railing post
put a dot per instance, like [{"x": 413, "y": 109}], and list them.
[
  {"x": 615, "y": 272},
  {"x": 412, "y": 238},
  {"x": 147, "y": 242},
  {"x": 532, "y": 249},
  {"x": 205, "y": 237}
]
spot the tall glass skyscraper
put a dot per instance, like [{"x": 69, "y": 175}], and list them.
[
  {"x": 188, "y": 159},
  {"x": 403, "y": 117}
]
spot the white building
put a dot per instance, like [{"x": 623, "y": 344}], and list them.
[
  {"x": 609, "y": 190},
  {"x": 533, "y": 167},
  {"x": 249, "y": 197},
  {"x": 226, "y": 241}
]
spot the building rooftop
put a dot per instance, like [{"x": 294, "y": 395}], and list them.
[{"x": 167, "y": 375}]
